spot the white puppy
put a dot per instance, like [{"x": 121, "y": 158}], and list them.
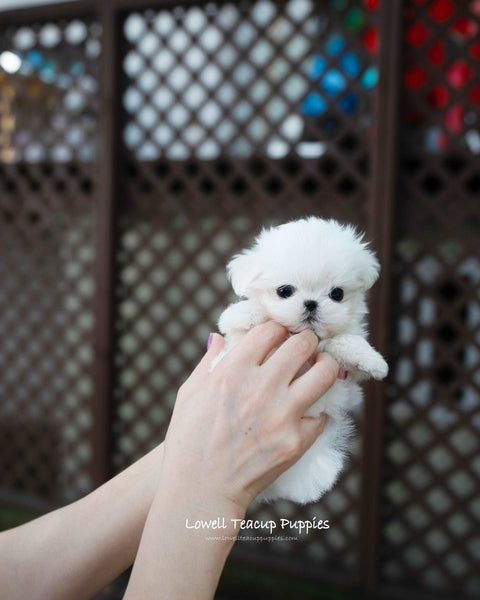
[{"x": 311, "y": 273}]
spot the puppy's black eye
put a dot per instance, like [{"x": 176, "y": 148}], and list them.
[
  {"x": 336, "y": 294},
  {"x": 285, "y": 291}
]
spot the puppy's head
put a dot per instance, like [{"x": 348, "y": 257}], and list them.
[{"x": 309, "y": 273}]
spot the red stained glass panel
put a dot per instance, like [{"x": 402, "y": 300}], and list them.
[
  {"x": 436, "y": 54},
  {"x": 441, "y": 10},
  {"x": 371, "y": 40},
  {"x": 415, "y": 77},
  {"x": 459, "y": 74},
  {"x": 475, "y": 51},
  {"x": 464, "y": 27},
  {"x": 438, "y": 96},
  {"x": 454, "y": 119},
  {"x": 371, "y": 4},
  {"x": 417, "y": 34},
  {"x": 474, "y": 95}
]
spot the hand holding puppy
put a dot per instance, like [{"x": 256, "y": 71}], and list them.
[{"x": 235, "y": 429}]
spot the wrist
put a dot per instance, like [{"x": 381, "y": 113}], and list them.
[{"x": 205, "y": 510}]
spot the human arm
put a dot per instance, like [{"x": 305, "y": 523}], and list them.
[
  {"x": 73, "y": 552},
  {"x": 233, "y": 432}
]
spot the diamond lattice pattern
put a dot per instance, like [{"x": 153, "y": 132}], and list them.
[
  {"x": 49, "y": 92},
  {"x": 235, "y": 116},
  {"x": 235, "y": 79},
  {"x": 47, "y": 259},
  {"x": 432, "y": 474}
]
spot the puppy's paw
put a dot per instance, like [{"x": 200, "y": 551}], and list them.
[
  {"x": 240, "y": 317},
  {"x": 372, "y": 365},
  {"x": 356, "y": 355}
]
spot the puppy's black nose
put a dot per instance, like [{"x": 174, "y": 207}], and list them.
[{"x": 311, "y": 305}]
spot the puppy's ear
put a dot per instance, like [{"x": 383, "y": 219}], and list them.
[
  {"x": 370, "y": 270},
  {"x": 242, "y": 271}
]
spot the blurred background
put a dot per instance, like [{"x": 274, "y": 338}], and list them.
[{"x": 144, "y": 143}]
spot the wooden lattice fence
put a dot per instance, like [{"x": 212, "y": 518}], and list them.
[{"x": 144, "y": 143}]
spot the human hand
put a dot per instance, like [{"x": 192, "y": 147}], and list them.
[{"x": 236, "y": 429}]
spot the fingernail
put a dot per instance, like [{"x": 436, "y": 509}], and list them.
[
  {"x": 209, "y": 343},
  {"x": 342, "y": 374}
]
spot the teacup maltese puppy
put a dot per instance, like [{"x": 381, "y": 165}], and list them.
[{"x": 311, "y": 273}]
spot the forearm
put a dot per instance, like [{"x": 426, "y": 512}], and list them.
[
  {"x": 167, "y": 543},
  {"x": 75, "y": 551}
]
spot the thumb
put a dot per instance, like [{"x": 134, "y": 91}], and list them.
[{"x": 215, "y": 345}]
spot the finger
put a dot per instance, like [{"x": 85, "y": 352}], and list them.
[
  {"x": 313, "y": 384},
  {"x": 257, "y": 343},
  {"x": 293, "y": 354},
  {"x": 310, "y": 429},
  {"x": 217, "y": 343}
]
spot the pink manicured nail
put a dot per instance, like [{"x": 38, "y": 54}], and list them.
[
  {"x": 209, "y": 343},
  {"x": 342, "y": 374}
]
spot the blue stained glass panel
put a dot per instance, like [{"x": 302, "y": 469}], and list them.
[
  {"x": 350, "y": 64},
  {"x": 333, "y": 83},
  {"x": 314, "y": 105},
  {"x": 335, "y": 44},
  {"x": 35, "y": 58},
  {"x": 370, "y": 77},
  {"x": 349, "y": 103},
  {"x": 317, "y": 67}
]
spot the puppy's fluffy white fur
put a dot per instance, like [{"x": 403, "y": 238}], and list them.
[{"x": 312, "y": 257}]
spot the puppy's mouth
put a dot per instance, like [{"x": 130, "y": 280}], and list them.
[
  {"x": 307, "y": 323},
  {"x": 310, "y": 320}
]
